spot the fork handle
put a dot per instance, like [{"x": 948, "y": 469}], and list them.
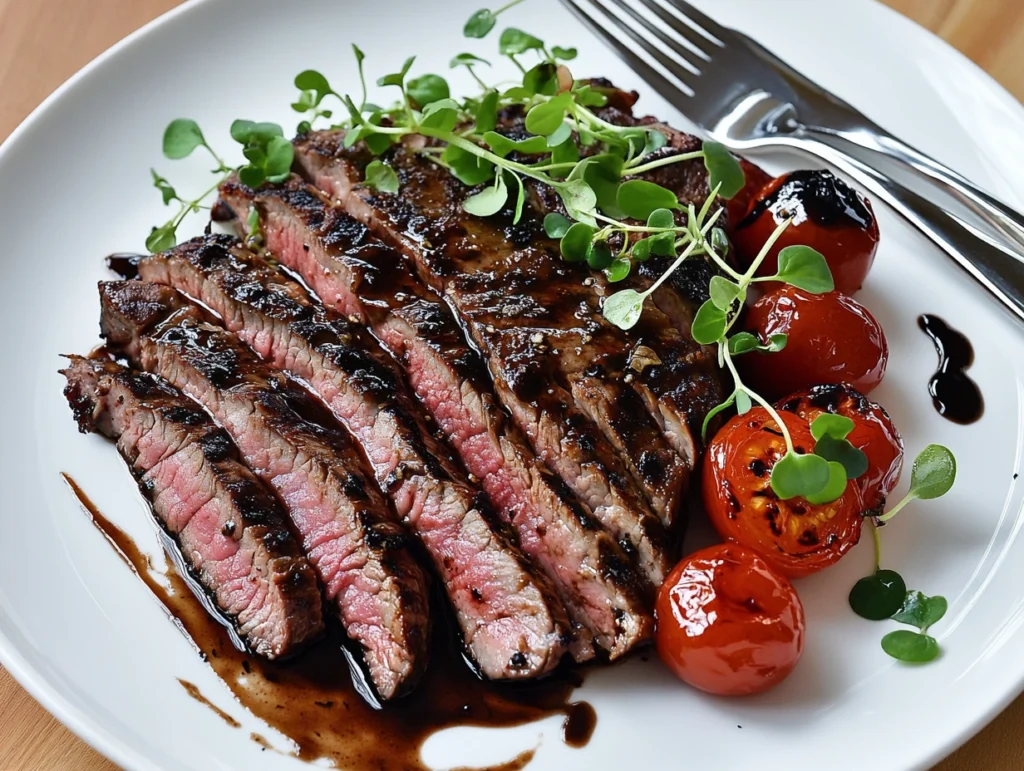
[
  {"x": 877, "y": 149},
  {"x": 999, "y": 269}
]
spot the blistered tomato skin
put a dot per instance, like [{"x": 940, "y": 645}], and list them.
[
  {"x": 739, "y": 205},
  {"x": 828, "y": 215},
  {"x": 795, "y": 537},
  {"x": 727, "y": 623},
  {"x": 831, "y": 339},
  {"x": 873, "y": 432}
]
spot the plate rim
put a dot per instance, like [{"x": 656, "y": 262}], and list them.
[{"x": 112, "y": 746}]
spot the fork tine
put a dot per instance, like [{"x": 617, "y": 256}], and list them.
[
  {"x": 655, "y": 79},
  {"x": 672, "y": 45},
  {"x": 696, "y": 40},
  {"x": 709, "y": 25}
]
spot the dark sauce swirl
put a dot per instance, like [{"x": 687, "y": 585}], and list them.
[
  {"x": 955, "y": 395},
  {"x": 818, "y": 196}
]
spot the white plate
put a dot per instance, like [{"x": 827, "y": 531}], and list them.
[{"x": 89, "y": 642}]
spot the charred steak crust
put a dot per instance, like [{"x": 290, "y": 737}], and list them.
[
  {"x": 354, "y": 273},
  {"x": 511, "y": 623},
  {"x": 360, "y": 552},
  {"x": 230, "y": 529},
  {"x": 530, "y": 318}
]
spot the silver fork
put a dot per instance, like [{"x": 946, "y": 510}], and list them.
[{"x": 748, "y": 99}]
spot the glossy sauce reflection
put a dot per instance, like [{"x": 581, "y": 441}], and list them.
[{"x": 314, "y": 700}]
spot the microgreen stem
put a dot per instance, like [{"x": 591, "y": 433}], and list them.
[
  {"x": 507, "y": 6},
  {"x": 724, "y": 347},
  {"x": 684, "y": 254},
  {"x": 749, "y": 275},
  {"x": 895, "y": 509},
  {"x": 876, "y": 538},
  {"x": 652, "y": 165}
]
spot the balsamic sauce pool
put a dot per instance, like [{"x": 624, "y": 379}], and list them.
[
  {"x": 316, "y": 699},
  {"x": 956, "y": 397}
]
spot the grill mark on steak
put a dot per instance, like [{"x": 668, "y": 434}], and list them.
[
  {"x": 354, "y": 273},
  {"x": 231, "y": 531},
  {"x": 511, "y": 623},
  {"x": 359, "y": 551},
  {"x": 537, "y": 325}
]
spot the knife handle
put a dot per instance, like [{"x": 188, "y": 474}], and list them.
[{"x": 998, "y": 267}]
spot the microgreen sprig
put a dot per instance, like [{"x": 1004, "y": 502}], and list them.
[
  {"x": 883, "y": 594},
  {"x": 268, "y": 158}
]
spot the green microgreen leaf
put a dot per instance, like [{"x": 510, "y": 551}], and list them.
[
  {"x": 743, "y": 342},
  {"x": 488, "y": 201},
  {"x": 603, "y": 173},
  {"x": 664, "y": 243},
  {"x": 576, "y": 242},
  {"x": 623, "y": 308},
  {"x": 724, "y": 171},
  {"x": 280, "y": 154},
  {"x": 618, "y": 270},
  {"x": 878, "y": 596},
  {"x": 541, "y": 79},
  {"x": 743, "y": 403},
  {"x": 579, "y": 198},
  {"x": 468, "y": 168},
  {"x": 797, "y": 475},
  {"x": 166, "y": 191},
  {"x": 313, "y": 81},
  {"x": 397, "y": 78},
  {"x": 479, "y": 24},
  {"x": 709, "y": 324},
  {"x": 599, "y": 256},
  {"x": 556, "y": 225},
  {"x": 919, "y": 610},
  {"x": 381, "y": 177},
  {"x": 254, "y": 235},
  {"x": 911, "y": 647},
  {"x": 723, "y": 292},
  {"x": 565, "y": 54},
  {"x": 562, "y": 135},
  {"x": 934, "y": 472},
  {"x": 486, "y": 116},
  {"x": 467, "y": 60},
  {"x": 828, "y": 424},
  {"x": 805, "y": 268},
  {"x": 503, "y": 146},
  {"x": 162, "y": 238},
  {"x": 833, "y": 489},
  {"x": 775, "y": 343},
  {"x": 641, "y": 250},
  {"x": 514, "y": 42},
  {"x": 545, "y": 118},
  {"x": 442, "y": 115},
  {"x": 639, "y": 198},
  {"x": 587, "y": 96},
  {"x": 249, "y": 132},
  {"x": 841, "y": 451},
  {"x": 181, "y": 137},
  {"x": 654, "y": 141},
  {"x": 428, "y": 88}
]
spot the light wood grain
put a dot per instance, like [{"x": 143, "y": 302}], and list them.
[{"x": 43, "y": 42}]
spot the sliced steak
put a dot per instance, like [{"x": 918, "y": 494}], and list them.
[
  {"x": 558, "y": 365},
  {"x": 357, "y": 275},
  {"x": 358, "y": 549},
  {"x": 231, "y": 530},
  {"x": 511, "y": 623}
]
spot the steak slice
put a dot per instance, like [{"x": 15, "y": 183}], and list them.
[
  {"x": 511, "y": 623},
  {"x": 231, "y": 530},
  {"x": 354, "y": 273},
  {"x": 558, "y": 365},
  {"x": 359, "y": 551}
]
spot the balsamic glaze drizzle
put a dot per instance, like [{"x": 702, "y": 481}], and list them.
[{"x": 956, "y": 397}]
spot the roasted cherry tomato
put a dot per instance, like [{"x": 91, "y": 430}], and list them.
[
  {"x": 873, "y": 433},
  {"x": 727, "y": 623},
  {"x": 797, "y": 538},
  {"x": 828, "y": 215},
  {"x": 831, "y": 339},
  {"x": 737, "y": 207}
]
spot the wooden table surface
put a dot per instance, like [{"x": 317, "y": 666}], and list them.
[{"x": 43, "y": 42}]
